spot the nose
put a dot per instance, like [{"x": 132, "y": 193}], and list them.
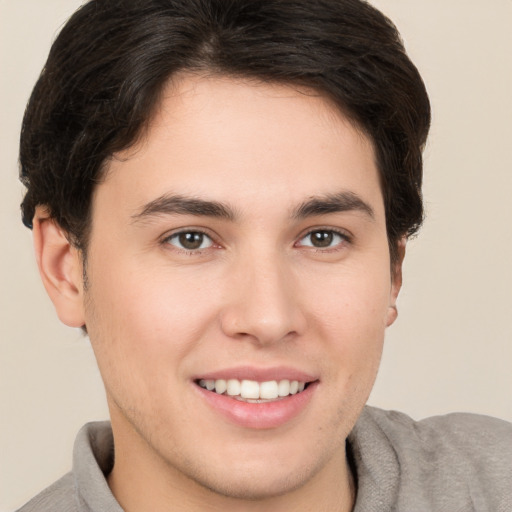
[{"x": 262, "y": 302}]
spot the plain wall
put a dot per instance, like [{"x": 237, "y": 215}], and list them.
[{"x": 451, "y": 348}]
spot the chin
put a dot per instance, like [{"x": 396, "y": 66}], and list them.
[
  {"x": 265, "y": 475},
  {"x": 257, "y": 486}
]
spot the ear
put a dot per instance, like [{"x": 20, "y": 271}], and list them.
[
  {"x": 60, "y": 267},
  {"x": 396, "y": 282}
]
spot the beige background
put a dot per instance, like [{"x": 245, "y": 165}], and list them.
[{"x": 452, "y": 346}]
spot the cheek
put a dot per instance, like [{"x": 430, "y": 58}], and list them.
[
  {"x": 141, "y": 320},
  {"x": 353, "y": 303},
  {"x": 350, "y": 316}
]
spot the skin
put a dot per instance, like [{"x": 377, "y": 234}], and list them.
[{"x": 258, "y": 294}]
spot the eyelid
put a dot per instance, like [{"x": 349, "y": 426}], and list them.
[
  {"x": 164, "y": 240},
  {"x": 344, "y": 234}
]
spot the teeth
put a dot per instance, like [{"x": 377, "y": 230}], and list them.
[
  {"x": 220, "y": 386},
  {"x": 207, "y": 384},
  {"x": 269, "y": 390},
  {"x": 249, "y": 389},
  {"x": 253, "y": 390},
  {"x": 283, "y": 388},
  {"x": 233, "y": 387}
]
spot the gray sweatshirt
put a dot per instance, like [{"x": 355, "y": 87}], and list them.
[{"x": 453, "y": 463}]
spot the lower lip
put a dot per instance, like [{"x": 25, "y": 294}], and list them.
[{"x": 264, "y": 415}]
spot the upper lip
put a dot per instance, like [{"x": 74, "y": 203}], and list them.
[{"x": 258, "y": 374}]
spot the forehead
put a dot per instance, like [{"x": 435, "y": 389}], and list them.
[{"x": 239, "y": 141}]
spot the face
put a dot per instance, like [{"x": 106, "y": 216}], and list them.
[{"x": 239, "y": 287}]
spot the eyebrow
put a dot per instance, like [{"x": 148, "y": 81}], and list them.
[
  {"x": 333, "y": 203},
  {"x": 182, "y": 205}
]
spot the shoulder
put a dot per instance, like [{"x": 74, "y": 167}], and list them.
[
  {"x": 464, "y": 460},
  {"x": 60, "y": 496},
  {"x": 85, "y": 487},
  {"x": 457, "y": 426},
  {"x": 453, "y": 436}
]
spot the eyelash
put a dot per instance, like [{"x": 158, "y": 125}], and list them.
[
  {"x": 345, "y": 239},
  {"x": 199, "y": 250}
]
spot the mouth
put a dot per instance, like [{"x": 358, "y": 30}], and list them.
[
  {"x": 254, "y": 398},
  {"x": 252, "y": 391}
]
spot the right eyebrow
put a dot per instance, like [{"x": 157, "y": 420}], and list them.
[
  {"x": 183, "y": 205},
  {"x": 333, "y": 203}
]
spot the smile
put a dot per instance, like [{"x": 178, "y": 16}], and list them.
[
  {"x": 253, "y": 391},
  {"x": 266, "y": 399}
]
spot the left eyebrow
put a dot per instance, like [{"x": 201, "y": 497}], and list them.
[
  {"x": 183, "y": 205},
  {"x": 333, "y": 203}
]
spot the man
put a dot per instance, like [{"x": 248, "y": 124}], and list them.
[{"x": 221, "y": 194}]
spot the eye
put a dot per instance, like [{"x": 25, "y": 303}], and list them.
[
  {"x": 190, "y": 240},
  {"x": 323, "y": 239}
]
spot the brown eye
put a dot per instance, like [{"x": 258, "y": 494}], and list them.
[
  {"x": 190, "y": 240},
  {"x": 323, "y": 239}
]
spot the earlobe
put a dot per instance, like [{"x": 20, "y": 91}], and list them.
[
  {"x": 396, "y": 282},
  {"x": 60, "y": 267}
]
